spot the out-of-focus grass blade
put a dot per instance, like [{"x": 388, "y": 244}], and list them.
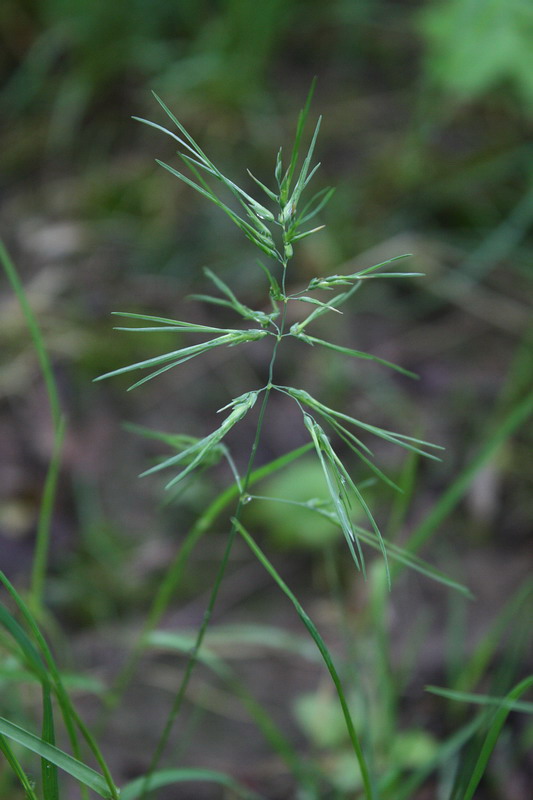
[
  {"x": 81, "y": 772},
  {"x": 482, "y": 699},
  {"x": 229, "y": 639},
  {"x": 40, "y": 558},
  {"x": 42, "y": 540},
  {"x": 446, "y": 751},
  {"x": 477, "y": 664},
  {"x": 455, "y": 492},
  {"x": 183, "y": 643},
  {"x": 167, "y": 777},
  {"x": 174, "y": 573},
  {"x": 36, "y": 335},
  {"x": 492, "y": 737}
]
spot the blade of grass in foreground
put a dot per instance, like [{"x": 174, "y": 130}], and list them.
[
  {"x": 17, "y": 768},
  {"x": 324, "y": 652},
  {"x": 37, "y": 669},
  {"x": 48, "y": 768},
  {"x": 49, "y": 673},
  {"x": 81, "y": 772}
]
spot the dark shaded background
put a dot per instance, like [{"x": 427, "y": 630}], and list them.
[{"x": 427, "y": 110}]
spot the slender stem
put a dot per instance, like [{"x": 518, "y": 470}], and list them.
[
  {"x": 175, "y": 571},
  {"x": 36, "y": 335},
  {"x": 42, "y": 541},
  {"x": 193, "y": 657},
  {"x": 40, "y": 559},
  {"x": 324, "y": 652}
]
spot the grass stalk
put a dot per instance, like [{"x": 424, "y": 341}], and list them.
[
  {"x": 193, "y": 657},
  {"x": 42, "y": 545},
  {"x": 324, "y": 652}
]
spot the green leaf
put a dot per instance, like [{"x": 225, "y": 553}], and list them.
[
  {"x": 332, "y": 281},
  {"x": 335, "y": 301},
  {"x": 81, "y": 772},
  {"x": 348, "y": 351},
  {"x": 200, "y": 449},
  {"x": 237, "y": 641},
  {"x": 266, "y": 244},
  {"x": 233, "y": 302},
  {"x": 175, "y": 324},
  {"x": 315, "y": 302},
  {"x": 407, "y": 442},
  {"x": 266, "y": 190},
  {"x": 186, "y": 353},
  {"x": 302, "y": 178},
  {"x": 285, "y": 184},
  {"x": 275, "y": 289},
  {"x": 336, "y": 483},
  {"x": 304, "y": 234},
  {"x": 167, "y": 132},
  {"x": 323, "y": 197},
  {"x": 194, "y": 147}
]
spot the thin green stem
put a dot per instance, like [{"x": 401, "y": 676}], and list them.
[
  {"x": 36, "y": 335},
  {"x": 40, "y": 559},
  {"x": 324, "y": 652},
  {"x": 175, "y": 571},
  {"x": 42, "y": 541},
  {"x": 193, "y": 657}
]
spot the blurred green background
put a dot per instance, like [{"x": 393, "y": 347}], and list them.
[{"x": 427, "y": 112}]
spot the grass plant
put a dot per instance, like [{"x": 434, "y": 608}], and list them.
[{"x": 369, "y": 739}]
